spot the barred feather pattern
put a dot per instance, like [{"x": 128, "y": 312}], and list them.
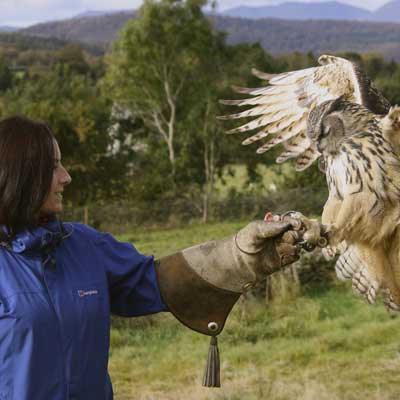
[
  {"x": 351, "y": 266},
  {"x": 363, "y": 176},
  {"x": 366, "y": 163},
  {"x": 360, "y": 156},
  {"x": 281, "y": 109}
]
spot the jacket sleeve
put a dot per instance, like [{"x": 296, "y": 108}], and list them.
[{"x": 132, "y": 279}]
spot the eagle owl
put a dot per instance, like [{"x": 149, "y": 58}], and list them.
[{"x": 333, "y": 113}]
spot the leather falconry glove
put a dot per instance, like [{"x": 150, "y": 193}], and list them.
[{"x": 201, "y": 284}]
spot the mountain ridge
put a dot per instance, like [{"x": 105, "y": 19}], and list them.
[
  {"x": 332, "y": 10},
  {"x": 97, "y": 13},
  {"x": 287, "y": 10},
  {"x": 8, "y": 28},
  {"x": 388, "y": 12},
  {"x": 275, "y": 35}
]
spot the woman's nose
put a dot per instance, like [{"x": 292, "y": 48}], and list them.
[{"x": 65, "y": 177}]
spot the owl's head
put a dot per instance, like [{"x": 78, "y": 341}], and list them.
[{"x": 325, "y": 127}]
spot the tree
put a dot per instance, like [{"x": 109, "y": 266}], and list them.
[
  {"x": 157, "y": 61},
  {"x": 80, "y": 118},
  {"x": 5, "y": 75},
  {"x": 169, "y": 68},
  {"x": 73, "y": 56},
  {"x": 229, "y": 64}
]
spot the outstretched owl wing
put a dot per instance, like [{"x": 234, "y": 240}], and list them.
[{"x": 282, "y": 108}]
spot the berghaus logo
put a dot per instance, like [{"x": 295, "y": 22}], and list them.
[{"x": 83, "y": 293}]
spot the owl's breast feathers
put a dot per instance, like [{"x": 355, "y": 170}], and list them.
[{"x": 365, "y": 176}]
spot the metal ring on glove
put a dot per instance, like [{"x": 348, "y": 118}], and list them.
[{"x": 289, "y": 213}]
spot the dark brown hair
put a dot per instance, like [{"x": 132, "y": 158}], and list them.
[{"x": 26, "y": 171}]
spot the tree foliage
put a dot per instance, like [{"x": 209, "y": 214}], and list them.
[
  {"x": 157, "y": 62},
  {"x": 140, "y": 126},
  {"x": 5, "y": 75},
  {"x": 80, "y": 118}
]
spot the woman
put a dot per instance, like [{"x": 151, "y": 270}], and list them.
[{"x": 59, "y": 282}]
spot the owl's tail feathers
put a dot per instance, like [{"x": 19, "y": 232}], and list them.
[{"x": 351, "y": 266}]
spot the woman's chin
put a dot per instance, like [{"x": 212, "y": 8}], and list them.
[{"x": 55, "y": 209}]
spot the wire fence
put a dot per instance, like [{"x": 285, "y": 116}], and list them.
[{"x": 122, "y": 218}]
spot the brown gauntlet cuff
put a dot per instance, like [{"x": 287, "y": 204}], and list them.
[{"x": 195, "y": 302}]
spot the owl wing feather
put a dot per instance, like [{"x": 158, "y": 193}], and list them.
[
  {"x": 355, "y": 264},
  {"x": 362, "y": 181},
  {"x": 281, "y": 109},
  {"x": 351, "y": 265}
]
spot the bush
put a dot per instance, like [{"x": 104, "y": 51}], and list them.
[{"x": 178, "y": 211}]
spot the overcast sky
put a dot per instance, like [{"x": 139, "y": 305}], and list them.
[{"x": 28, "y": 12}]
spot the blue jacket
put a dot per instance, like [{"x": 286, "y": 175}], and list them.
[{"x": 57, "y": 289}]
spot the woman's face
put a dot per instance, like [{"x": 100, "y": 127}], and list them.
[{"x": 61, "y": 178}]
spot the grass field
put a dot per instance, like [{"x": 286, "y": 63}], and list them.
[{"x": 326, "y": 344}]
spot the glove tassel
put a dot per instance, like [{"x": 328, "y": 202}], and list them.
[{"x": 212, "y": 371}]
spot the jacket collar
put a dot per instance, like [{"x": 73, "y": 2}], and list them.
[{"x": 41, "y": 238}]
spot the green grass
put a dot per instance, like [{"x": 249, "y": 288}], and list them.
[
  {"x": 236, "y": 177},
  {"x": 322, "y": 345},
  {"x": 162, "y": 242}
]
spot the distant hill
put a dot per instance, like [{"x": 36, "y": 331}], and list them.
[
  {"x": 389, "y": 12},
  {"x": 24, "y": 42},
  {"x": 99, "y": 30},
  {"x": 279, "y": 36},
  {"x": 332, "y": 10},
  {"x": 97, "y": 13},
  {"x": 302, "y": 11},
  {"x": 8, "y": 29},
  {"x": 276, "y": 36}
]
